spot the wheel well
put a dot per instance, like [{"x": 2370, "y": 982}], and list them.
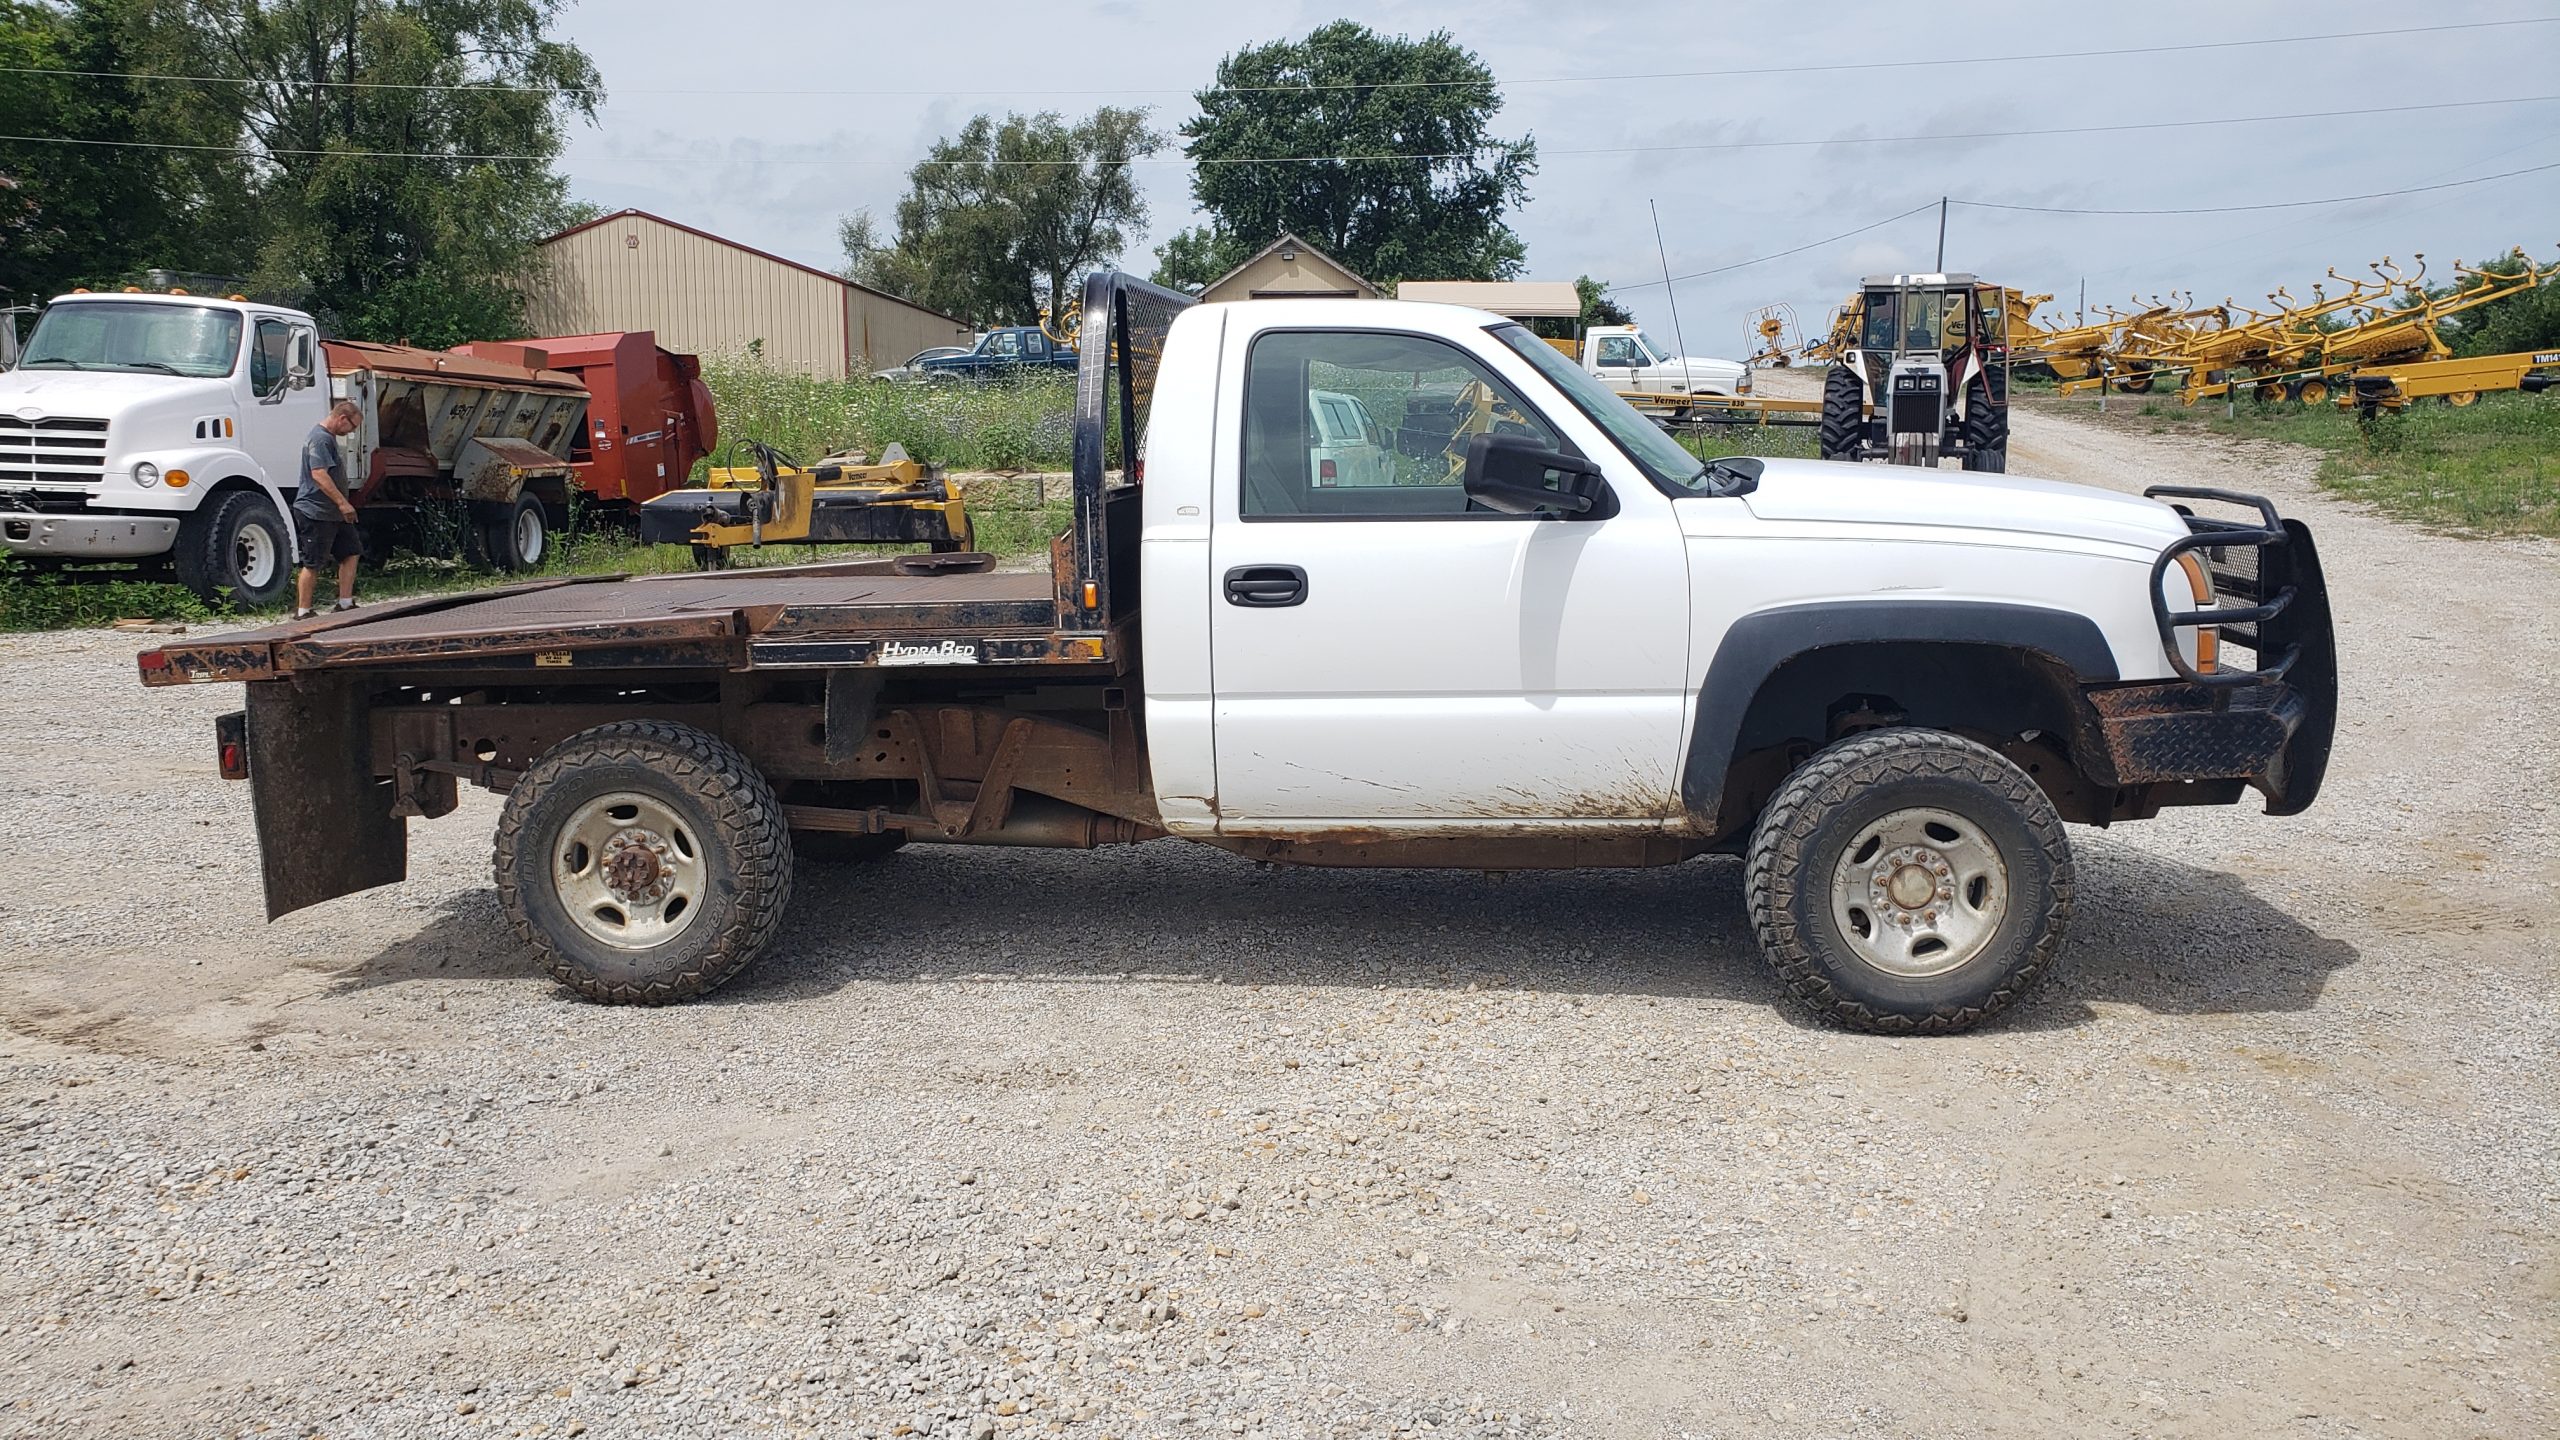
[{"x": 2023, "y": 703}]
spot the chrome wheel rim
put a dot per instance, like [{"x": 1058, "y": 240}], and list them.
[
  {"x": 629, "y": 871},
  {"x": 529, "y": 536},
  {"x": 254, "y": 555},
  {"x": 1919, "y": 892}
]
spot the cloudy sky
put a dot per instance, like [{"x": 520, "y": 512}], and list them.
[{"x": 765, "y": 120}]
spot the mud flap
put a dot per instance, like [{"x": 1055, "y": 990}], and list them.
[
  {"x": 2293, "y": 782},
  {"x": 325, "y": 826}
]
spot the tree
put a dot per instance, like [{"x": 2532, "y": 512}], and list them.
[
  {"x": 1597, "y": 309},
  {"x": 404, "y": 151},
  {"x": 101, "y": 201},
  {"x": 1009, "y": 215},
  {"x": 1413, "y": 185}
]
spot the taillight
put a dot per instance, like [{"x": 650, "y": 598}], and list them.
[
  {"x": 1324, "y": 472},
  {"x": 231, "y": 744}
]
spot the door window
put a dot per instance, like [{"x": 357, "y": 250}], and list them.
[
  {"x": 1436, "y": 396},
  {"x": 1005, "y": 346},
  {"x": 1618, "y": 351},
  {"x": 268, "y": 359}
]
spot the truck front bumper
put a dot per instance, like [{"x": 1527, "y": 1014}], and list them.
[
  {"x": 2274, "y": 736},
  {"x": 86, "y": 537}
]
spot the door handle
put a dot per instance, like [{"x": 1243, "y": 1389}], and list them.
[{"x": 1266, "y": 587}]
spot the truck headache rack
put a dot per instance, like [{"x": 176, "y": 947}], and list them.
[{"x": 2250, "y": 564}]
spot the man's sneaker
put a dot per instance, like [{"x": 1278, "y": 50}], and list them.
[
  {"x": 346, "y": 605},
  {"x": 305, "y": 614}
]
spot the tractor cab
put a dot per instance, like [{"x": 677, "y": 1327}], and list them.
[{"x": 1926, "y": 375}]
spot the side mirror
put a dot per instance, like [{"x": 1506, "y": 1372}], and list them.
[
  {"x": 299, "y": 379},
  {"x": 1518, "y": 476},
  {"x": 1617, "y": 362}
]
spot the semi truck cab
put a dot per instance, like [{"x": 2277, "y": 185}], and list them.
[{"x": 139, "y": 424}]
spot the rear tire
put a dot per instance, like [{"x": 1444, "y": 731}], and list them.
[
  {"x": 1986, "y": 432},
  {"x": 611, "y": 829},
  {"x": 1844, "y": 420},
  {"x": 1909, "y": 881},
  {"x": 518, "y": 537},
  {"x": 237, "y": 549}
]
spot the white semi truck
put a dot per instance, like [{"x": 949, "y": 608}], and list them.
[
  {"x": 1572, "y": 645},
  {"x": 167, "y": 429}
]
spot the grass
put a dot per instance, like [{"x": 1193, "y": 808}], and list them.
[
  {"x": 1026, "y": 423},
  {"x": 2492, "y": 468},
  {"x": 1798, "y": 442}
]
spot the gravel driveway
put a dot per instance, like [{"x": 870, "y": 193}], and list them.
[{"x": 1159, "y": 1143}]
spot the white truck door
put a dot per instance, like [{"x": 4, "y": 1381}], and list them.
[
  {"x": 1382, "y": 653},
  {"x": 274, "y": 415}
]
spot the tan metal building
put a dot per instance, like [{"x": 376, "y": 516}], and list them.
[
  {"x": 1290, "y": 267},
  {"x": 632, "y": 270}
]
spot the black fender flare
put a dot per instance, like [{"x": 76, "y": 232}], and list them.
[{"x": 1760, "y": 643}]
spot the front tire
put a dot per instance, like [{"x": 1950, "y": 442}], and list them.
[
  {"x": 1844, "y": 419},
  {"x": 1909, "y": 881},
  {"x": 643, "y": 862},
  {"x": 1986, "y": 432},
  {"x": 236, "y": 549}
]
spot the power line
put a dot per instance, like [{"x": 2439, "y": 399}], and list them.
[
  {"x": 2268, "y": 205},
  {"x": 1776, "y": 255},
  {"x": 1753, "y": 70},
  {"x": 1378, "y": 156}
]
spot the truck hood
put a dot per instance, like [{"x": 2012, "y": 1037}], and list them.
[
  {"x": 99, "y": 394},
  {"x": 1837, "y": 491},
  {"x": 1699, "y": 363}
]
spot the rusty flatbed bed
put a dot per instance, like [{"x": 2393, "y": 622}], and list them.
[{"x": 938, "y": 610}]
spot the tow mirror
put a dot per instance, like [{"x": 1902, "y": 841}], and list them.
[{"x": 1516, "y": 475}]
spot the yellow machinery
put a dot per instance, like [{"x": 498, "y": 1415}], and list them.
[
  {"x": 840, "y": 500},
  {"x": 1775, "y": 336},
  {"x": 2457, "y": 382},
  {"x": 2298, "y": 350}
]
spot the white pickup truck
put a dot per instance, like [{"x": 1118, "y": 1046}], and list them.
[
  {"x": 1625, "y": 358},
  {"x": 1570, "y": 644}
]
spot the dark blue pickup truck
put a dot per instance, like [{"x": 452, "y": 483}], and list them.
[{"x": 1008, "y": 351}]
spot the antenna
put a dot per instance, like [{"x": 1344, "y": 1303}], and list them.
[{"x": 1686, "y": 387}]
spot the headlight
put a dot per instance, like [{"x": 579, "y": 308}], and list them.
[{"x": 146, "y": 473}]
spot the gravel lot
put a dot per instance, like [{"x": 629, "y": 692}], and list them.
[{"x": 1157, "y": 1143}]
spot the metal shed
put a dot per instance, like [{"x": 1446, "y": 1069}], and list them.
[{"x": 632, "y": 270}]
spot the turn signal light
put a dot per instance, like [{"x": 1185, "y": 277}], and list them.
[
  {"x": 1092, "y": 596},
  {"x": 177, "y": 479},
  {"x": 2208, "y": 637}
]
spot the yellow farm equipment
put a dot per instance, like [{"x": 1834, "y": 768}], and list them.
[
  {"x": 841, "y": 500},
  {"x": 2456, "y": 382},
  {"x": 1776, "y": 339}
]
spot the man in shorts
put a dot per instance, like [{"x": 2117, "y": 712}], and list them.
[{"x": 324, "y": 519}]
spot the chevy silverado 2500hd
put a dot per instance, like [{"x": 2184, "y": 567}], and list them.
[{"x": 1563, "y": 641}]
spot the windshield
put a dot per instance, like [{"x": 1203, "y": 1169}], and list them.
[
  {"x": 1657, "y": 351},
  {"x": 1655, "y": 453},
  {"x": 1907, "y": 321},
  {"x": 130, "y": 335}
]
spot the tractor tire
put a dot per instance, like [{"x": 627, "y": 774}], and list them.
[
  {"x": 961, "y": 543},
  {"x": 236, "y": 549},
  {"x": 1909, "y": 881},
  {"x": 1844, "y": 418},
  {"x": 1986, "y": 432},
  {"x": 2135, "y": 382},
  {"x": 516, "y": 538},
  {"x": 643, "y": 862}
]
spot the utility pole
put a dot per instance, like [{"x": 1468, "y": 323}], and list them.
[{"x": 1942, "y": 234}]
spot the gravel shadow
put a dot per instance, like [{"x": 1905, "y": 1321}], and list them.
[{"x": 2148, "y": 931}]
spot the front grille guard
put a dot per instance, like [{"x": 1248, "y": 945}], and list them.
[{"x": 2265, "y": 586}]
